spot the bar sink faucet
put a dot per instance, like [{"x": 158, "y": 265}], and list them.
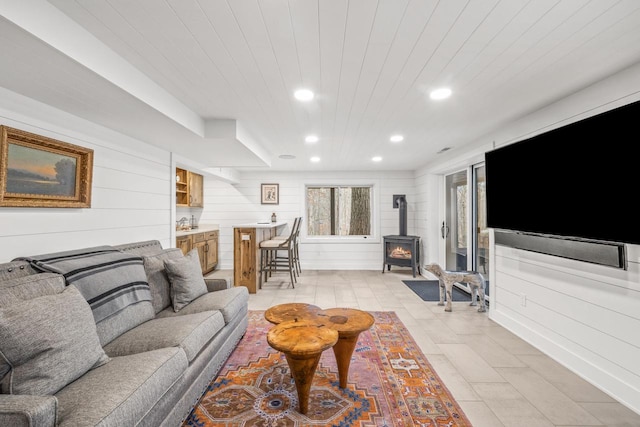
[{"x": 183, "y": 223}]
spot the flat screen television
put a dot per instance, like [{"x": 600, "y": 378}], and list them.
[{"x": 579, "y": 181}]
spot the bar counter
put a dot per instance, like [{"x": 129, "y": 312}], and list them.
[{"x": 246, "y": 251}]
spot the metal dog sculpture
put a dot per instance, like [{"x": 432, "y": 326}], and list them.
[{"x": 448, "y": 278}]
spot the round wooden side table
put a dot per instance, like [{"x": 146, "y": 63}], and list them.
[
  {"x": 291, "y": 311},
  {"x": 349, "y": 323},
  {"x": 302, "y": 343}
]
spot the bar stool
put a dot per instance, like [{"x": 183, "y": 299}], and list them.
[
  {"x": 271, "y": 262},
  {"x": 295, "y": 231}
]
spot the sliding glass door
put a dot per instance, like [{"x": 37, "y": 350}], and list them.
[
  {"x": 454, "y": 228},
  {"x": 466, "y": 210}
]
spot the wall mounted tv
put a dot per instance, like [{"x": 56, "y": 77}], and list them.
[{"x": 579, "y": 181}]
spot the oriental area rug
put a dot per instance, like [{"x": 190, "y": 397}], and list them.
[{"x": 390, "y": 383}]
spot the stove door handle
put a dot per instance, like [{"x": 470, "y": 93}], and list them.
[{"x": 444, "y": 230}]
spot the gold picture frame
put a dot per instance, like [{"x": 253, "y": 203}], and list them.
[
  {"x": 270, "y": 194},
  {"x": 36, "y": 171}
]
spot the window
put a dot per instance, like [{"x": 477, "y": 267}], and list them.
[{"x": 339, "y": 210}]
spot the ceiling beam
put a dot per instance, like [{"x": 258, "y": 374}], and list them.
[{"x": 49, "y": 24}]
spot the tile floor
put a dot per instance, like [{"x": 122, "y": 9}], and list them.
[{"x": 497, "y": 378}]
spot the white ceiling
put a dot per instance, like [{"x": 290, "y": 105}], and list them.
[{"x": 167, "y": 71}]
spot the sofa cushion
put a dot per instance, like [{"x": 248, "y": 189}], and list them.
[
  {"x": 126, "y": 319},
  {"x": 190, "y": 332},
  {"x": 229, "y": 302},
  {"x": 121, "y": 392},
  {"x": 157, "y": 277},
  {"x": 187, "y": 282},
  {"x": 25, "y": 288},
  {"x": 49, "y": 341}
]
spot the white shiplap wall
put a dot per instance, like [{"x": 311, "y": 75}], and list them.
[
  {"x": 227, "y": 205},
  {"x": 131, "y": 191},
  {"x": 585, "y": 316}
]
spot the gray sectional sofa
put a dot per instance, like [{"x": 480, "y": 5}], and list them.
[{"x": 124, "y": 335}]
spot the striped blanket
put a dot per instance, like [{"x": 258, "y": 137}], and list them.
[{"x": 109, "y": 280}]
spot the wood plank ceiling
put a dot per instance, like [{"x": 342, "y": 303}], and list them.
[{"x": 371, "y": 64}]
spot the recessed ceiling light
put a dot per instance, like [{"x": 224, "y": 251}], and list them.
[
  {"x": 311, "y": 139},
  {"x": 287, "y": 156},
  {"x": 396, "y": 138},
  {"x": 315, "y": 159},
  {"x": 303, "y": 95},
  {"x": 442, "y": 93},
  {"x": 376, "y": 159}
]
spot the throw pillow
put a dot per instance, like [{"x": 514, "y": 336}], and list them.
[
  {"x": 13, "y": 291},
  {"x": 28, "y": 287},
  {"x": 157, "y": 277},
  {"x": 49, "y": 342},
  {"x": 187, "y": 282}
]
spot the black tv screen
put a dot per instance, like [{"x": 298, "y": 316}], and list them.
[{"x": 576, "y": 181}]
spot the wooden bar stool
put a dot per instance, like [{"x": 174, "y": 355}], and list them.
[
  {"x": 271, "y": 262},
  {"x": 295, "y": 231}
]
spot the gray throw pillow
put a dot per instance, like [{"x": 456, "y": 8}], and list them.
[
  {"x": 23, "y": 288},
  {"x": 49, "y": 341},
  {"x": 28, "y": 287},
  {"x": 187, "y": 282},
  {"x": 157, "y": 277}
]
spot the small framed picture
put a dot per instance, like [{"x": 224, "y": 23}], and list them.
[{"x": 270, "y": 194}]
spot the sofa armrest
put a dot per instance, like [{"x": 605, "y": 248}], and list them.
[
  {"x": 28, "y": 411},
  {"x": 217, "y": 284}
]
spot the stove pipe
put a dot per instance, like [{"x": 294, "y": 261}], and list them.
[{"x": 402, "y": 204}]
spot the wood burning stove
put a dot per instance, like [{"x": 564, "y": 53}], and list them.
[{"x": 402, "y": 250}]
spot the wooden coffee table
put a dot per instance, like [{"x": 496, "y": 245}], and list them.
[
  {"x": 302, "y": 343},
  {"x": 349, "y": 323},
  {"x": 291, "y": 311}
]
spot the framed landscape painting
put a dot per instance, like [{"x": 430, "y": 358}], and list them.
[
  {"x": 270, "y": 194},
  {"x": 36, "y": 171}
]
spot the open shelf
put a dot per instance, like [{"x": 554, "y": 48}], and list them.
[{"x": 182, "y": 188}]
